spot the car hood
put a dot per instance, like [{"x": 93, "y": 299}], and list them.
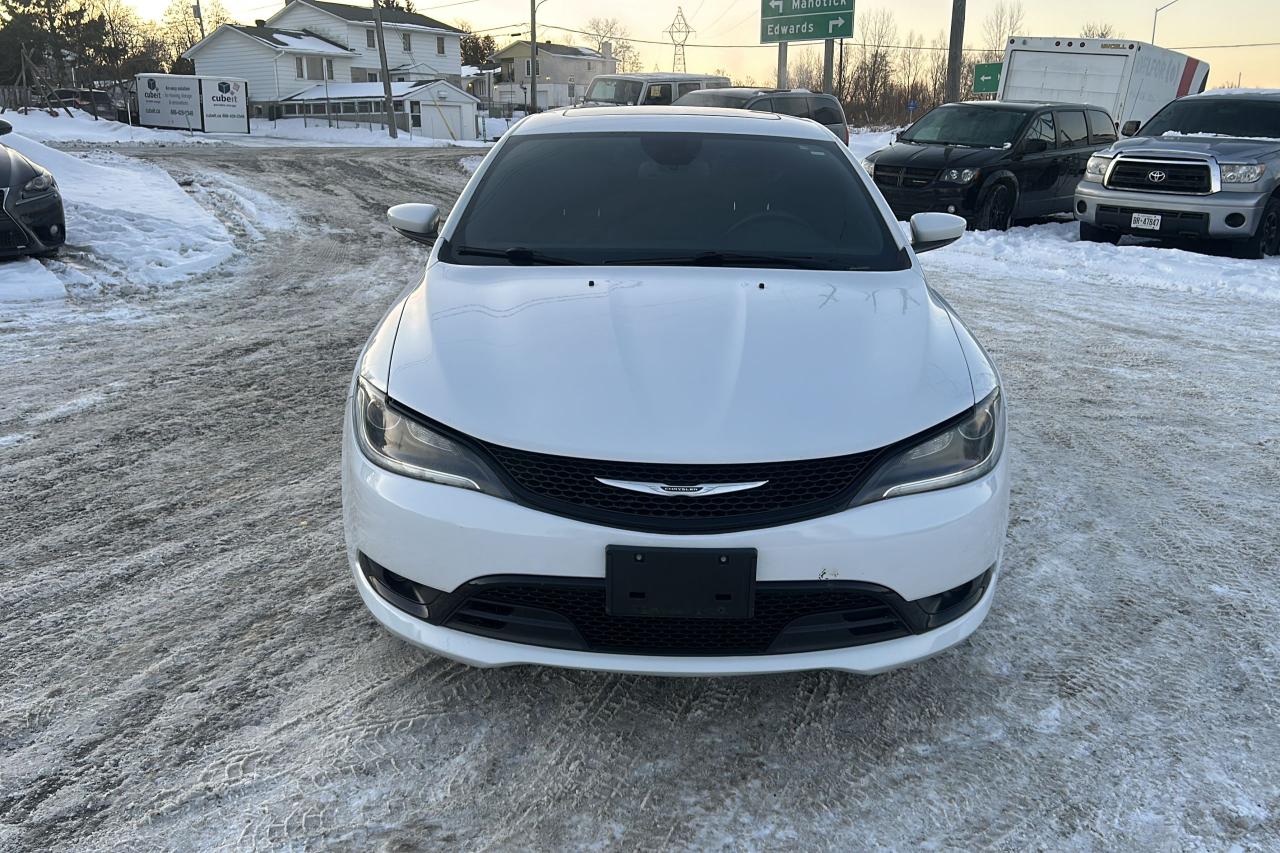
[
  {"x": 1223, "y": 148},
  {"x": 936, "y": 156},
  {"x": 677, "y": 365}
]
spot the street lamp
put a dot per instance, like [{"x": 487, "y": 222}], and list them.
[
  {"x": 1156, "y": 18},
  {"x": 533, "y": 53}
]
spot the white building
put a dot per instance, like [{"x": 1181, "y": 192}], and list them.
[
  {"x": 563, "y": 73},
  {"x": 313, "y": 40},
  {"x": 432, "y": 108}
]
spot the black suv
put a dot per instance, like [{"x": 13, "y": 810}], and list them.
[
  {"x": 824, "y": 109},
  {"x": 991, "y": 162}
]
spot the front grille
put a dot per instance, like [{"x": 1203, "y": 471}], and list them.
[
  {"x": 571, "y": 614},
  {"x": 1165, "y": 176},
  {"x": 11, "y": 236},
  {"x": 1173, "y": 223},
  {"x": 905, "y": 176},
  {"x": 794, "y": 490}
]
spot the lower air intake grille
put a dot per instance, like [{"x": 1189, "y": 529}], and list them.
[{"x": 789, "y": 617}]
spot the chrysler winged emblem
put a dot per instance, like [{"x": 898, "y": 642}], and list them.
[{"x": 682, "y": 491}]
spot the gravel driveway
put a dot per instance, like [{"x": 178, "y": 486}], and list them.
[{"x": 185, "y": 662}]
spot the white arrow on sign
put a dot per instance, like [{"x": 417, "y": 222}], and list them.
[
  {"x": 831, "y": 25},
  {"x": 986, "y": 78},
  {"x": 776, "y": 5}
]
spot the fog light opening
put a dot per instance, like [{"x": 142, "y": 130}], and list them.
[
  {"x": 1082, "y": 207},
  {"x": 951, "y": 208},
  {"x": 1235, "y": 220}
]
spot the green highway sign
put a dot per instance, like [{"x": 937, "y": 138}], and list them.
[
  {"x": 805, "y": 20},
  {"x": 986, "y": 78}
]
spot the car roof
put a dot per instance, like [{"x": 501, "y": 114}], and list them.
[
  {"x": 753, "y": 91},
  {"x": 672, "y": 119},
  {"x": 1239, "y": 94},
  {"x": 1029, "y": 106}
]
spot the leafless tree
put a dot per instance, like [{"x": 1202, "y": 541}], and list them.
[
  {"x": 1099, "y": 30},
  {"x": 613, "y": 31},
  {"x": 1005, "y": 20}
]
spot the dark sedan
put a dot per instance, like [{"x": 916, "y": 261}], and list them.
[
  {"x": 31, "y": 217},
  {"x": 991, "y": 162}
]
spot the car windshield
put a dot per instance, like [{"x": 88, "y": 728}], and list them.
[
  {"x": 677, "y": 199},
  {"x": 975, "y": 127},
  {"x": 1238, "y": 117},
  {"x": 707, "y": 98},
  {"x": 614, "y": 90}
]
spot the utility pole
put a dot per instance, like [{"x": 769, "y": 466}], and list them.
[
  {"x": 782, "y": 66},
  {"x": 386, "y": 74},
  {"x": 195, "y": 10},
  {"x": 828, "y": 65},
  {"x": 955, "y": 56},
  {"x": 533, "y": 56}
]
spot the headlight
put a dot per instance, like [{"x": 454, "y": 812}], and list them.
[
  {"x": 396, "y": 442},
  {"x": 42, "y": 182},
  {"x": 1241, "y": 173},
  {"x": 1096, "y": 169},
  {"x": 959, "y": 454},
  {"x": 959, "y": 176},
  {"x": 870, "y": 167}
]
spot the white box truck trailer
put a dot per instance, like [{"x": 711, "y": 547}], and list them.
[{"x": 1131, "y": 80}]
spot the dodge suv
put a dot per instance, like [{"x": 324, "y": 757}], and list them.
[{"x": 1205, "y": 167}]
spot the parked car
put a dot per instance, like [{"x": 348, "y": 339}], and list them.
[
  {"x": 654, "y": 90},
  {"x": 992, "y": 162},
  {"x": 1206, "y": 167},
  {"x": 674, "y": 428},
  {"x": 824, "y": 109},
  {"x": 31, "y": 216},
  {"x": 90, "y": 100}
]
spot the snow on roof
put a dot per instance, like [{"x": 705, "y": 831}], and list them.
[
  {"x": 295, "y": 41},
  {"x": 1212, "y": 92},
  {"x": 337, "y": 91}
]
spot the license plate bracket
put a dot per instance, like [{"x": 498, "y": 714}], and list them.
[
  {"x": 691, "y": 583},
  {"x": 1146, "y": 221}
]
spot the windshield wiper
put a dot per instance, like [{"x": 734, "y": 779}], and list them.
[
  {"x": 517, "y": 255},
  {"x": 722, "y": 259}
]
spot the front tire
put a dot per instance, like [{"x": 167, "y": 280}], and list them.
[
  {"x": 1094, "y": 234},
  {"x": 1266, "y": 240},
  {"x": 995, "y": 213}
]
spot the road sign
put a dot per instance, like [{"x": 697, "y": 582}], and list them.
[
  {"x": 912, "y": 106},
  {"x": 986, "y": 78},
  {"x": 805, "y": 20}
]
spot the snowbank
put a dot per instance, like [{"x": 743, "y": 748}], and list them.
[
  {"x": 128, "y": 223},
  {"x": 81, "y": 128},
  {"x": 864, "y": 142},
  {"x": 1055, "y": 253},
  {"x": 26, "y": 280}
]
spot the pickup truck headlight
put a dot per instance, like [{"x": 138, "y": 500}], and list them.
[
  {"x": 1241, "y": 173},
  {"x": 38, "y": 185},
  {"x": 963, "y": 452},
  {"x": 398, "y": 443},
  {"x": 959, "y": 176},
  {"x": 1096, "y": 169},
  {"x": 869, "y": 166}
]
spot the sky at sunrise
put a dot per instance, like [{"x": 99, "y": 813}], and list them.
[{"x": 1188, "y": 24}]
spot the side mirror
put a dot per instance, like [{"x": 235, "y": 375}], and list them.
[
  {"x": 418, "y": 222},
  {"x": 5, "y": 127},
  {"x": 1130, "y": 128},
  {"x": 931, "y": 231},
  {"x": 1035, "y": 146}
]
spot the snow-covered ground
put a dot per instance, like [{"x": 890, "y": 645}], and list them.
[{"x": 186, "y": 664}]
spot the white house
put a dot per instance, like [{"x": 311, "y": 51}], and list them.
[
  {"x": 564, "y": 71},
  {"x": 275, "y": 62},
  {"x": 432, "y": 108},
  {"x": 314, "y": 40}
]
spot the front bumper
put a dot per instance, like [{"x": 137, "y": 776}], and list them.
[
  {"x": 31, "y": 226},
  {"x": 1203, "y": 216},
  {"x": 941, "y": 198},
  {"x": 442, "y": 537}
]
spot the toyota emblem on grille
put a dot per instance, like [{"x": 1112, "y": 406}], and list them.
[
  {"x": 682, "y": 491},
  {"x": 1157, "y": 176}
]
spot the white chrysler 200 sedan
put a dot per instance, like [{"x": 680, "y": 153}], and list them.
[{"x": 674, "y": 397}]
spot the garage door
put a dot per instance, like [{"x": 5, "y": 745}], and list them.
[{"x": 441, "y": 121}]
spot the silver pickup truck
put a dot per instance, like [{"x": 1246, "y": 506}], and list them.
[{"x": 1205, "y": 167}]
